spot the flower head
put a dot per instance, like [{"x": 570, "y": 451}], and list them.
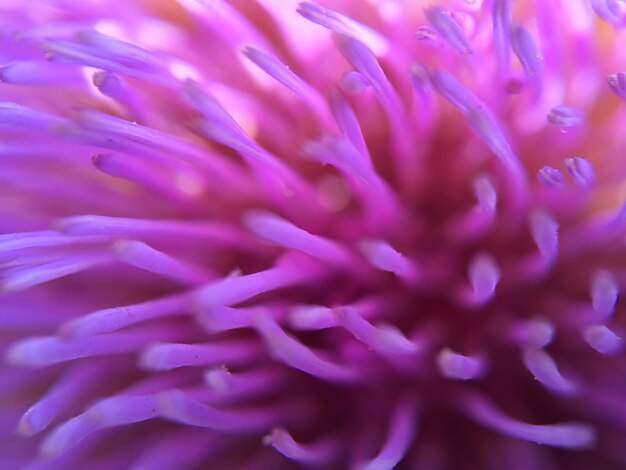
[{"x": 351, "y": 234}]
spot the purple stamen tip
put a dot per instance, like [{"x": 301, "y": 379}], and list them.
[
  {"x": 447, "y": 27},
  {"x": 545, "y": 232},
  {"x": 617, "y": 83},
  {"x": 456, "y": 366},
  {"x": 603, "y": 340},
  {"x": 611, "y": 11},
  {"x": 354, "y": 82},
  {"x": 545, "y": 370},
  {"x": 581, "y": 171},
  {"x": 550, "y": 176},
  {"x": 484, "y": 275},
  {"x": 604, "y": 293},
  {"x": 565, "y": 117}
]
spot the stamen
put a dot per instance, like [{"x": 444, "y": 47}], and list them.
[
  {"x": 244, "y": 384},
  {"x": 179, "y": 407},
  {"x": 485, "y": 125},
  {"x": 354, "y": 82},
  {"x": 581, "y": 171},
  {"x": 427, "y": 35},
  {"x": 221, "y": 127},
  {"x": 148, "y": 175},
  {"x": 550, "y": 176},
  {"x": 400, "y": 435},
  {"x": 42, "y": 239},
  {"x": 485, "y": 192},
  {"x": 110, "y": 126},
  {"x": 501, "y": 18},
  {"x": 21, "y": 118},
  {"x": 48, "y": 350},
  {"x": 536, "y": 333},
  {"x": 233, "y": 290},
  {"x": 219, "y": 318},
  {"x": 116, "y": 88},
  {"x": 59, "y": 399},
  {"x": 145, "y": 257},
  {"x": 384, "y": 339},
  {"x": 168, "y": 158},
  {"x": 281, "y": 73},
  {"x": 21, "y": 276},
  {"x": 312, "y": 317},
  {"x": 565, "y": 117},
  {"x": 290, "y": 351},
  {"x": 215, "y": 233},
  {"x": 277, "y": 230},
  {"x": 480, "y": 119},
  {"x": 378, "y": 198},
  {"x": 454, "y": 92},
  {"x": 115, "y": 126},
  {"x": 39, "y": 72},
  {"x": 384, "y": 257},
  {"x": 116, "y": 318},
  {"x": 449, "y": 29},
  {"x": 611, "y": 11},
  {"x": 484, "y": 275},
  {"x": 318, "y": 453},
  {"x": 603, "y": 340},
  {"x": 564, "y": 435},
  {"x": 110, "y": 85},
  {"x": 527, "y": 51},
  {"x": 545, "y": 370},
  {"x": 108, "y": 413},
  {"x": 424, "y": 104},
  {"x": 552, "y": 40},
  {"x": 25, "y": 149},
  {"x": 130, "y": 54},
  {"x": 604, "y": 293},
  {"x": 473, "y": 224},
  {"x": 617, "y": 83},
  {"x": 343, "y": 25},
  {"x": 61, "y": 50},
  {"x": 160, "y": 357},
  {"x": 349, "y": 124},
  {"x": 545, "y": 232},
  {"x": 340, "y": 153},
  {"x": 365, "y": 62},
  {"x": 453, "y": 365},
  {"x": 317, "y": 317},
  {"x": 218, "y": 379}
]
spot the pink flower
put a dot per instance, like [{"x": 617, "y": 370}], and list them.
[{"x": 269, "y": 234}]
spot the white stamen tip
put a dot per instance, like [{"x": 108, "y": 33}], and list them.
[
  {"x": 456, "y": 366},
  {"x": 603, "y": 340},
  {"x": 484, "y": 276},
  {"x": 604, "y": 293}
]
